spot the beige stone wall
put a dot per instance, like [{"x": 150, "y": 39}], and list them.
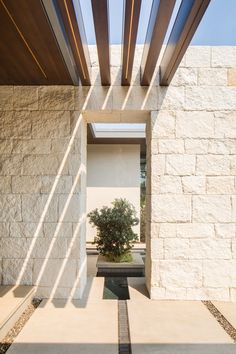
[
  {"x": 191, "y": 248},
  {"x": 192, "y": 183},
  {"x": 42, "y": 190}
]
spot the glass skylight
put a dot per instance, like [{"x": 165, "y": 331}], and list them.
[{"x": 118, "y": 130}]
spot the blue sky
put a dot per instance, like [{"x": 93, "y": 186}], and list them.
[{"x": 218, "y": 26}]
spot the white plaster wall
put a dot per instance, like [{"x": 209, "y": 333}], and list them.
[{"x": 113, "y": 171}]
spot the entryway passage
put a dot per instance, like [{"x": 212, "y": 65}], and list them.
[{"x": 91, "y": 325}]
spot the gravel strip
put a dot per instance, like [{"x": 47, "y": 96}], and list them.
[
  {"x": 13, "y": 333},
  {"x": 225, "y": 324}
]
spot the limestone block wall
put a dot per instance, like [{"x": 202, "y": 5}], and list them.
[
  {"x": 191, "y": 155},
  {"x": 42, "y": 190},
  {"x": 192, "y": 183}
]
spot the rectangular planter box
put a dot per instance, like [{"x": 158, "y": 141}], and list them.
[{"x": 132, "y": 269}]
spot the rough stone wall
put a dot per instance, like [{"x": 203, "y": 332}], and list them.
[
  {"x": 191, "y": 151},
  {"x": 192, "y": 183},
  {"x": 42, "y": 190}
]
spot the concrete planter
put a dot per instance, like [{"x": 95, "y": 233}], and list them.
[{"x": 134, "y": 268}]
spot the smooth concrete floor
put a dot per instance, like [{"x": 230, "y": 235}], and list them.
[
  {"x": 228, "y": 310},
  {"x": 82, "y": 326},
  {"x": 90, "y": 325}
]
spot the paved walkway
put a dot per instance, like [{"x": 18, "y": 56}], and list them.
[{"x": 156, "y": 327}]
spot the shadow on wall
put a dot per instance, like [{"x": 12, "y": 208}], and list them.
[{"x": 43, "y": 221}]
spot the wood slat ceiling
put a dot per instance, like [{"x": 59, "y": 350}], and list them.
[
  {"x": 43, "y": 42},
  {"x": 130, "y": 30},
  {"x": 101, "y": 25},
  {"x": 29, "y": 54},
  {"x": 158, "y": 24}
]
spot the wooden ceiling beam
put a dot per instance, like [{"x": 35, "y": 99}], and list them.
[
  {"x": 130, "y": 30},
  {"x": 158, "y": 24},
  {"x": 101, "y": 25},
  {"x": 74, "y": 27},
  {"x": 187, "y": 20}
]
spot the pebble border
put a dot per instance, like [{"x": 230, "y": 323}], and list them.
[
  {"x": 225, "y": 324},
  {"x": 18, "y": 326}
]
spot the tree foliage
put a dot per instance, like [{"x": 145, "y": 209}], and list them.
[{"x": 114, "y": 229}]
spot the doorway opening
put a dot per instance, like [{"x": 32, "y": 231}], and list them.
[{"x": 116, "y": 168}]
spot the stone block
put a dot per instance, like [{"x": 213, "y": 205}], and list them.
[
  {"x": 225, "y": 124},
  {"x": 42, "y": 165},
  {"x": 171, "y": 146},
  {"x": 185, "y": 77},
  {"x": 194, "y": 185},
  {"x": 217, "y": 294},
  {"x": 212, "y": 77},
  {"x": 210, "y": 249},
  {"x": 171, "y": 97},
  {"x": 10, "y": 165},
  {"x": 37, "y": 206},
  {"x": 195, "y": 230},
  {"x": 232, "y": 76},
  {"x": 59, "y": 229},
  {"x": 194, "y": 124},
  {"x": 233, "y": 165},
  {"x": 171, "y": 208},
  {"x": 175, "y": 248},
  {"x": 26, "y": 184},
  {"x": 213, "y": 165},
  {"x": 63, "y": 184},
  {"x": 157, "y": 165},
  {"x": 11, "y": 271},
  {"x": 5, "y": 146},
  {"x": 56, "y": 98},
  {"x": 180, "y": 165},
  {"x": 219, "y": 273},
  {"x": 210, "y": 98},
  {"x": 5, "y": 184},
  {"x": 99, "y": 98},
  {"x": 167, "y": 230},
  {"x": 225, "y": 230},
  {"x": 25, "y": 98},
  {"x": 48, "y": 124},
  {"x": 10, "y": 206},
  {"x": 15, "y": 248},
  {"x": 157, "y": 248},
  {"x": 31, "y": 146},
  {"x": 212, "y": 208},
  {"x": 198, "y": 56},
  {"x": 226, "y": 146},
  {"x": 6, "y": 98},
  {"x": 15, "y": 124},
  {"x": 26, "y": 229},
  {"x": 70, "y": 207},
  {"x": 163, "y": 124},
  {"x": 175, "y": 293},
  {"x": 4, "y": 229},
  {"x": 196, "y": 146},
  {"x": 223, "y": 58},
  {"x": 52, "y": 248},
  {"x": 169, "y": 185},
  {"x": 49, "y": 271},
  {"x": 221, "y": 185},
  {"x": 181, "y": 273}
]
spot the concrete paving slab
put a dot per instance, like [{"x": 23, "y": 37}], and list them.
[
  {"x": 172, "y": 326},
  {"x": 137, "y": 288},
  {"x": 228, "y": 310},
  {"x": 59, "y": 328},
  {"x": 13, "y": 302}
]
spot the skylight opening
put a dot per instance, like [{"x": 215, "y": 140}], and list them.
[{"x": 118, "y": 130}]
